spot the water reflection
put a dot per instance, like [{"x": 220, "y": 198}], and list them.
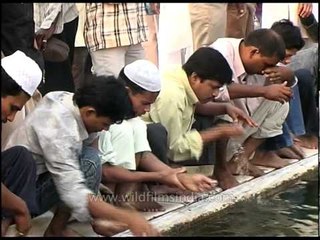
[{"x": 290, "y": 213}]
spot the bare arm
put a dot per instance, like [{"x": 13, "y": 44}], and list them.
[
  {"x": 184, "y": 181},
  {"x": 149, "y": 162},
  {"x": 237, "y": 90},
  {"x": 274, "y": 92},
  {"x": 138, "y": 225},
  {"x": 221, "y": 131},
  {"x": 214, "y": 109},
  {"x": 211, "y": 109},
  {"x": 116, "y": 174},
  {"x": 18, "y": 207}
]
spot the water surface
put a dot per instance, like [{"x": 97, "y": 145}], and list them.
[{"x": 293, "y": 212}]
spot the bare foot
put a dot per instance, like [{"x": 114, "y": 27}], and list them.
[
  {"x": 245, "y": 169},
  {"x": 292, "y": 152},
  {"x": 139, "y": 201},
  {"x": 225, "y": 179},
  {"x": 67, "y": 232},
  {"x": 254, "y": 170},
  {"x": 269, "y": 159},
  {"x": 160, "y": 189},
  {"x": 307, "y": 141},
  {"x": 108, "y": 228}
]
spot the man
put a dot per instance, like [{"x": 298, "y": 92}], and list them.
[
  {"x": 18, "y": 16},
  {"x": 208, "y": 22},
  {"x": 56, "y": 20},
  {"x": 258, "y": 53},
  {"x": 297, "y": 124},
  {"x": 113, "y": 34},
  {"x": 68, "y": 168},
  {"x": 184, "y": 88},
  {"x": 138, "y": 164},
  {"x": 240, "y": 19},
  {"x": 20, "y": 77}
]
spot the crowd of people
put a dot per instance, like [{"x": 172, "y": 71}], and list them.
[{"x": 99, "y": 96}]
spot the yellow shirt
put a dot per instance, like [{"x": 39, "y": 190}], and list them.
[{"x": 174, "y": 109}]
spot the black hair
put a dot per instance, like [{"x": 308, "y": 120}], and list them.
[
  {"x": 9, "y": 87},
  {"x": 107, "y": 96},
  {"x": 209, "y": 64},
  {"x": 290, "y": 34},
  {"x": 267, "y": 41},
  {"x": 134, "y": 87}
]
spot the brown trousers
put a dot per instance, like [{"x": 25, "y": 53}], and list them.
[
  {"x": 208, "y": 23},
  {"x": 240, "y": 19}
]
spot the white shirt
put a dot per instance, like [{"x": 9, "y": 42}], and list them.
[
  {"x": 54, "y": 133},
  {"x": 46, "y": 13},
  {"x": 229, "y": 48},
  {"x": 131, "y": 134}
]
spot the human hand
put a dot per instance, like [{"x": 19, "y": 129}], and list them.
[
  {"x": 237, "y": 114},
  {"x": 278, "y": 92},
  {"x": 22, "y": 219},
  {"x": 43, "y": 35},
  {"x": 139, "y": 226},
  {"x": 228, "y": 130},
  {"x": 197, "y": 182},
  {"x": 108, "y": 228},
  {"x": 278, "y": 74},
  {"x": 170, "y": 177},
  {"x": 304, "y": 9}
]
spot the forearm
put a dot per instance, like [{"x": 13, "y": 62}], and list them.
[
  {"x": 100, "y": 209},
  {"x": 237, "y": 90},
  {"x": 115, "y": 174},
  {"x": 149, "y": 162},
  {"x": 211, "y": 109},
  {"x": 311, "y": 26},
  {"x": 10, "y": 201},
  {"x": 210, "y": 135}
]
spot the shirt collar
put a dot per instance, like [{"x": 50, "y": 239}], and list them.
[
  {"x": 67, "y": 101},
  {"x": 192, "y": 97},
  {"x": 239, "y": 69}
]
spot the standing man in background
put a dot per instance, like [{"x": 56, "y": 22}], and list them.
[{"x": 113, "y": 34}]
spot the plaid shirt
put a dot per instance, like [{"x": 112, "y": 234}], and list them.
[{"x": 109, "y": 25}]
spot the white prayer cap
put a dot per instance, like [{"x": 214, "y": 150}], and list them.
[
  {"x": 23, "y": 70},
  {"x": 145, "y": 74}
]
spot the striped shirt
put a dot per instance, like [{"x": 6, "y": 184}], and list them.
[{"x": 109, "y": 25}]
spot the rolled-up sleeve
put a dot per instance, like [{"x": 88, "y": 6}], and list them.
[
  {"x": 51, "y": 14},
  {"x": 62, "y": 145}
]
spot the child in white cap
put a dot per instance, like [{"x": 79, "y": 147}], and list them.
[
  {"x": 126, "y": 155},
  {"x": 20, "y": 77}
]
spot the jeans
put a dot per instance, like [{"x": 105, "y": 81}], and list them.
[
  {"x": 90, "y": 165},
  {"x": 18, "y": 174},
  {"x": 294, "y": 124},
  {"x": 308, "y": 101}
]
